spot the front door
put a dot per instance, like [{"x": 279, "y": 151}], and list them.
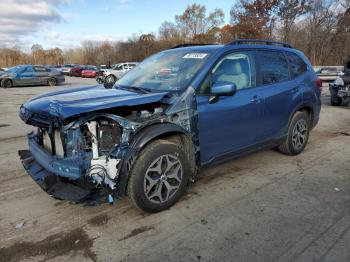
[
  {"x": 26, "y": 77},
  {"x": 233, "y": 122}
]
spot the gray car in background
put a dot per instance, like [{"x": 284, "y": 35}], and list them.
[{"x": 29, "y": 75}]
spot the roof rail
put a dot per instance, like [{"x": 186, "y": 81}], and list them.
[
  {"x": 257, "y": 41},
  {"x": 186, "y": 45}
]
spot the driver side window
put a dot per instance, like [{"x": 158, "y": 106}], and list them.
[{"x": 236, "y": 68}]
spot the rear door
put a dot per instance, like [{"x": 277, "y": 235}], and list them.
[
  {"x": 282, "y": 93},
  {"x": 232, "y": 122},
  {"x": 41, "y": 74}
]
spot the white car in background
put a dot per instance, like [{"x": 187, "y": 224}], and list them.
[
  {"x": 117, "y": 71},
  {"x": 65, "y": 69},
  {"x": 328, "y": 73}
]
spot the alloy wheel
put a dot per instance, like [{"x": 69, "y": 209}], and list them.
[
  {"x": 300, "y": 132},
  {"x": 163, "y": 178}
]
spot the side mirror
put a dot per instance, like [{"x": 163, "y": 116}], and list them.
[
  {"x": 108, "y": 85},
  {"x": 222, "y": 89}
]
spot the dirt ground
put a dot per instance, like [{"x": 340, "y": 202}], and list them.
[{"x": 264, "y": 207}]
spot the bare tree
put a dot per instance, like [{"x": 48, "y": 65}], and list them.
[
  {"x": 194, "y": 21},
  {"x": 254, "y": 19},
  {"x": 288, "y": 12}
]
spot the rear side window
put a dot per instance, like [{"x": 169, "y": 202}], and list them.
[
  {"x": 273, "y": 67},
  {"x": 40, "y": 69},
  {"x": 296, "y": 65}
]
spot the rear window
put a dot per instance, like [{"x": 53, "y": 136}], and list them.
[
  {"x": 273, "y": 67},
  {"x": 40, "y": 69},
  {"x": 296, "y": 65}
]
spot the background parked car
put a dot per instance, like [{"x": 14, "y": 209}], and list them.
[
  {"x": 57, "y": 67},
  {"x": 340, "y": 88},
  {"x": 116, "y": 72},
  {"x": 24, "y": 75},
  {"x": 65, "y": 69},
  {"x": 90, "y": 71},
  {"x": 328, "y": 73},
  {"x": 76, "y": 71}
]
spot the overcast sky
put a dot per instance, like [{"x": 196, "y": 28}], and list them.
[{"x": 66, "y": 23}]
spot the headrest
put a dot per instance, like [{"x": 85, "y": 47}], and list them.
[{"x": 230, "y": 67}]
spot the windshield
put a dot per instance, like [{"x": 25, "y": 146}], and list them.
[{"x": 165, "y": 71}]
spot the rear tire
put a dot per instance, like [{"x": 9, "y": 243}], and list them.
[
  {"x": 337, "y": 102},
  {"x": 159, "y": 176},
  {"x": 6, "y": 83},
  {"x": 51, "y": 82},
  {"x": 297, "y": 136}
]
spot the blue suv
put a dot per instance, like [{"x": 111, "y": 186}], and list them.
[{"x": 177, "y": 112}]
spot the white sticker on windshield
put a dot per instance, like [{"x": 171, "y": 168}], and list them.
[{"x": 195, "y": 55}]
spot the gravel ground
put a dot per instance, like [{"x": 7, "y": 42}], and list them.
[{"x": 264, "y": 207}]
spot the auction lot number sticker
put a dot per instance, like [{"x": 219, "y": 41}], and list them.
[{"x": 195, "y": 55}]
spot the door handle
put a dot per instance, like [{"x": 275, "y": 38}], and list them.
[
  {"x": 255, "y": 100},
  {"x": 295, "y": 89}
]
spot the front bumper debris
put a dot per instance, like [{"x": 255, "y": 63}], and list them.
[{"x": 50, "y": 183}]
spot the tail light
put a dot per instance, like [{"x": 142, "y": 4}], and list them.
[{"x": 319, "y": 83}]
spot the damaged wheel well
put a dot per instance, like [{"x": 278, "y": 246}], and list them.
[
  {"x": 165, "y": 131},
  {"x": 309, "y": 111},
  {"x": 185, "y": 142}
]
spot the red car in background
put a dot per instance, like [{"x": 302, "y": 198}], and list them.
[
  {"x": 76, "y": 71},
  {"x": 90, "y": 71}
]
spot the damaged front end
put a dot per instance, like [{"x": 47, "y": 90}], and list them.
[
  {"x": 89, "y": 155},
  {"x": 340, "y": 90}
]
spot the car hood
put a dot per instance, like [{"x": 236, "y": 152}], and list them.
[
  {"x": 6, "y": 74},
  {"x": 72, "y": 102}
]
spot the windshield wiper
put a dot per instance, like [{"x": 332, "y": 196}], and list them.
[{"x": 136, "y": 89}]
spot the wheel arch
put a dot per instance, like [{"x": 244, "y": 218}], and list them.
[
  {"x": 304, "y": 107},
  {"x": 146, "y": 135}
]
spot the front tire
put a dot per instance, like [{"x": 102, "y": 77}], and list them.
[
  {"x": 6, "y": 83},
  {"x": 159, "y": 176},
  {"x": 111, "y": 79},
  {"x": 297, "y": 136}
]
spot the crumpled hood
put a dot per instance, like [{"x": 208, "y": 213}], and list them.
[{"x": 72, "y": 102}]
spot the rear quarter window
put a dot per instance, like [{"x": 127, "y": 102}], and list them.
[
  {"x": 41, "y": 69},
  {"x": 296, "y": 65},
  {"x": 272, "y": 67}
]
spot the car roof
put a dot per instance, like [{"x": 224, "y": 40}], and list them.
[
  {"x": 212, "y": 48},
  {"x": 228, "y": 47}
]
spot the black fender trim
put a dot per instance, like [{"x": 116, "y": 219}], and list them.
[
  {"x": 296, "y": 109},
  {"x": 146, "y": 134},
  {"x": 138, "y": 141}
]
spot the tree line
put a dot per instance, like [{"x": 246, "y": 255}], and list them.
[{"x": 319, "y": 28}]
